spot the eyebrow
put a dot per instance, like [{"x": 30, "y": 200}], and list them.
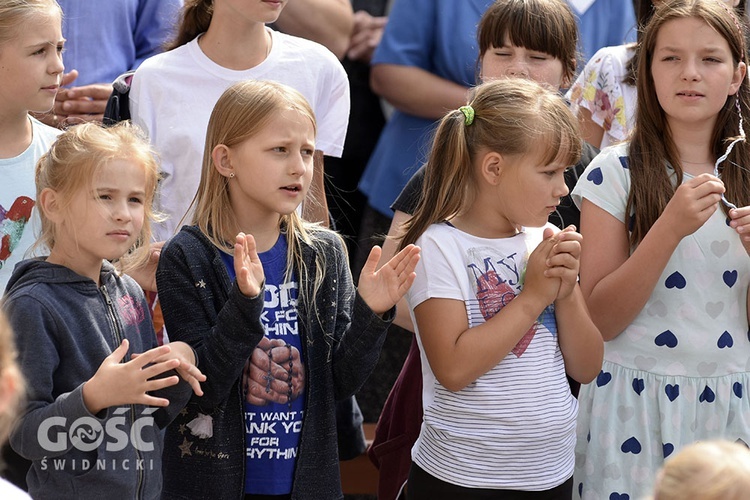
[
  {"x": 704, "y": 50},
  {"x": 106, "y": 189},
  {"x": 47, "y": 42}
]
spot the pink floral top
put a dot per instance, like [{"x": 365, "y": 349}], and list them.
[{"x": 600, "y": 89}]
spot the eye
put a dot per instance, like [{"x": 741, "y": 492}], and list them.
[
  {"x": 539, "y": 57},
  {"x": 308, "y": 151},
  {"x": 669, "y": 58},
  {"x": 135, "y": 199},
  {"x": 712, "y": 59},
  {"x": 60, "y": 48},
  {"x": 105, "y": 197},
  {"x": 279, "y": 149},
  {"x": 39, "y": 52},
  {"x": 502, "y": 53}
]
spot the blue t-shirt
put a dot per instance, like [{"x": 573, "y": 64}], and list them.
[
  {"x": 438, "y": 36},
  {"x": 275, "y": 397}
]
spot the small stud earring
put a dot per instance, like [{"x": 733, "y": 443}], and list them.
[{"x": 231, "y": 175}]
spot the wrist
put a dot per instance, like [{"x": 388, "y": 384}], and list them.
[{"x": 91, "y": 397}]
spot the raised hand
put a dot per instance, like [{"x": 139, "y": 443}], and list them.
[
  {"x": 693, "y": 203},
  {"x": 116, "y": 383},
  {"x": 383, "y": 288},
  {"x": 145, "y": 274},
  {"x": 563, "y": 260},
  {"x": 247, "y": 266},
  {"x": 740, "y": 221}
]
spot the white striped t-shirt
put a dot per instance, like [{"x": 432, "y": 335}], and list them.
[{"x": 514, "y": 427}]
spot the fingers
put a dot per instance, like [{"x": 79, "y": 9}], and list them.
[
  {"x": 192, "y": 376},
  {"x": 120, "y": 352},
  {"x": 151, "y": 356},
  {"x": 69, "y": 77},
  {"x": 372, "y": 261}
]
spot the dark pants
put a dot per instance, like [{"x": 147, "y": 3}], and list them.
[{"x": 423, "y": 486}]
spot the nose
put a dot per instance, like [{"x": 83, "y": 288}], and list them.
[
  {"x": 301, "y": 164},
  {"x": 517, "y": 68},
  {"x": 121, "y": 211},
  {"x": 56, "y": 66},
  {"x": 561, "y": 188},
  {"x": 690, "y": 70}
]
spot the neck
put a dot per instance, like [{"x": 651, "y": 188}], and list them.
[
  {"x": 236, "y": 46},
  {"x": 16, "y": 132},
  {"x": 483, "y": 223},
  {"x": 694, "y": 148},
  {"x": 61, "y": 257},
  {"x": 265, "y": 233}
]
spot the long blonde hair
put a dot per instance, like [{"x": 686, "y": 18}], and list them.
[
  {"x": 511, "y": 117},
  {"x": 72, "y": 163},
  {"x": 242, "y": 111},
  {"x": 14, "y": 14}
]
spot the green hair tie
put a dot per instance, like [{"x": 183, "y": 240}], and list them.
[{"x": 468, "y": 112}]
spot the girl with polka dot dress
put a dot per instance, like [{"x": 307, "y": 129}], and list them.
[{"x": 664, "y": 264}]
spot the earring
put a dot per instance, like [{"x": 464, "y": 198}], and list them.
[{"x": 231, "y": 175}]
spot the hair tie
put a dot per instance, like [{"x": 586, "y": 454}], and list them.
[{"x": 468, "y": 112}]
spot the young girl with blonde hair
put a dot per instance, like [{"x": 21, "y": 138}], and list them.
[
  {"x": 498, "y": 313},
  {"x": 94, "y": 418},
  {"x": 268, "y": 303}
]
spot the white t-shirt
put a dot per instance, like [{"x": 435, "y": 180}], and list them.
[
  {"x": 513, "y": 427},
  {"x": 173, "y": 93},
  {"x": 19, "y": 220}
]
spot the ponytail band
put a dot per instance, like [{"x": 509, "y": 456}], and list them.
[{"x": 468, "y": 112}]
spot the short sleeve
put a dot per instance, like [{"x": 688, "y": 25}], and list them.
[
  {"x": 436, "y": 270},
  {"x": 600, "y": 89},
  {"x": 606, "y": 182},
  {"x": 409, "y": 35}
]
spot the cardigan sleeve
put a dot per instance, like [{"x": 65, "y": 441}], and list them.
[
  {"x": 359, "y": 332},
  {"x": 222, "y": 329}
]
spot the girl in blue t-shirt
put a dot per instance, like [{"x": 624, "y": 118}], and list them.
[{"x": 267, "y": 302}]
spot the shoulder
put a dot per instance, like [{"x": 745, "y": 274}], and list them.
[
  {"x": 44, "y": 134},
  {"x": 296, "y": 44},
  {"x": 156, "y": 64},
  {"x": 189, "y": 241},
  {"x": 616, "y": 55}
]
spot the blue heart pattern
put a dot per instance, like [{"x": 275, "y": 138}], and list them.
[
  {"x": 676, "y": 280},
  {"x": 631, "y": 445},
  {"x": 638, "y": 385},
  {"x": 619, "y": 496},
  {"x": 707, "y": 395},
  {"x": 603, "y": 378},
  {"x": 672, "y": 391},
  {"x": 730, "y": 278},
  {"x": 667, "y": 449},
  {"x": 737, "y": 389},
  {"x": 725, "y": 340},
  {"x": 596, "y": 176},
  {"x": 666, "y": 338},
  {"x": 624, "y": 162}
]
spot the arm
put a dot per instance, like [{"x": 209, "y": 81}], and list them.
[
  {"x": 223, "y": 334},
  {"x": 591, "y": 132},
  {"x": 315, "y": 206},
  {"x": 740, "y": 221},
  {"x": 459, "y": 355},
  {"x": 328, "y": 22},
  {"x": 390, "y": 245},
  {"x": 617, "y": 284},
  {"x": 366, "y": 35},
  {"x": 364, "y": 316},
  {"x": 416, "y": 91},
  {"x": 580, "y": 341}
]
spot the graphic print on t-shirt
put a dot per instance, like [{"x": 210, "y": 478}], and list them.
[
  {"x": 12, "y": 224},
  {"x": 498, "y": 279}
]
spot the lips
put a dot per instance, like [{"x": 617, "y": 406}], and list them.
[
  {"x": 690, "y": 93},
  {"x": 292, "y": 188}
]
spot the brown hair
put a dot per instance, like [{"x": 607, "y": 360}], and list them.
[
  {"x": 547, "y": 26},
  {"x": 195, "y": 17},
  {"x": 74, "y": 159},
  {"x": 652, "y": 144},
  {"x": 15, "y": 13},
  {"x": 512, "y": 117}
]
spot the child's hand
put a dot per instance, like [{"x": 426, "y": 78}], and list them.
[
  {"x": 267, "y": 372},
  {"x": 383, "y": 288},
  {"x": 116, "y": 383},
  {"x": 145, "y": 275},
  {"x": 693, "y": 203},
  {"x": 186, "y": 369},
  {"x": 564, "y": 259},
  {"x": 247, "y": 266},
  {"x": 740, "y": 221},
  {"x": 545, "y": 289}
]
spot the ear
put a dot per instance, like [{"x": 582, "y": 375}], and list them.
[
  {"x": 49, "y": 202},
  {"x": 221, "y": 156},
  {"x": 491, "y": 167},
  {"x": 567, "y": 80},
  {"x": 738, "y": 77}
]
